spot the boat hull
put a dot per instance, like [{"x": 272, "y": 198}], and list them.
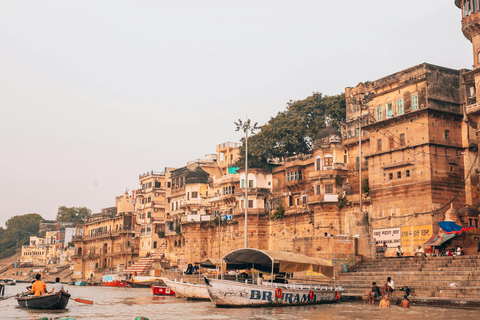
[
  {"x": 235, "y": 294},
  {"x": 57, "y": 300},
  {"x": 189, "y": 290},
  {"x": 133, "y": 284},
  {"x": 162, "y": 291},
  {"x": 114, "y": 283},
  {"x": 80, "y": 283}
]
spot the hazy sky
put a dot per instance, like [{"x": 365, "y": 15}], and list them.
[{"x": 93, "y": 93}]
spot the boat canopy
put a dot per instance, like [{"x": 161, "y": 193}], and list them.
[
  {"x": 211, "y": 263},
  {"x": 281, "y": 261}
]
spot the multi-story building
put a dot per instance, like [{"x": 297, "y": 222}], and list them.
[
  {"x": 108, "y": 240},
  {"x": 150, "y": 202}
]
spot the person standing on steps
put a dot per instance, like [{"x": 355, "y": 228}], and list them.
[{"x": 478, "y": 245}]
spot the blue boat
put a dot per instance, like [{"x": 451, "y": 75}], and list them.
[{"x": 80, "y": 283}]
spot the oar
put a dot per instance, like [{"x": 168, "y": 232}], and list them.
[
  {"x": 5, "y": 298},
  {"x": 83, "y": 301}
]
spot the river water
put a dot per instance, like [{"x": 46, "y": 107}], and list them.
[{"x": 128, "y": 303}]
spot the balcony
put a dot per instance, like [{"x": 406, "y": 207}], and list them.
[
  {"x": 195, "y": 218},
  {"x": 231, "y": 178},
  {"x": 241, "y": 191},
  {"x": 194, "y": 203},
  {"x": 300, "y": 160},
  {"x": 473, "y": 109},
  {"x": 321, "y": 198}
]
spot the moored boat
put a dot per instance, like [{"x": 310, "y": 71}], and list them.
[
  {"x": 58, "y": 300},
  {"x": 162, "y": 291},
  {"x": 114, "y": 283},
  {"x": 133, "y": 284},
  {"x": 80, "y": 283},
  {"x": 187, "y": 290},
  {"x": 225, "y": 293}
]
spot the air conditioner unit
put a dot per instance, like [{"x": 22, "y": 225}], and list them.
[{"x": 155, "y": 210}]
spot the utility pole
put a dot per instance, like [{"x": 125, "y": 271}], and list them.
[
  {"x": 360, "y": 162},
  {"x": 246, "y": 127}
]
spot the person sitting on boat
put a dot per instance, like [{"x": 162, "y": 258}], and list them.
[
  {"x": 260, "y": 279},
  {"x": 29, "y": 288},
  {"x": 38, "y": 287},
  {"x": 196, "y": 269},
  {"x": 189, "y": 269},
  {"x": 58, "y": 286}
]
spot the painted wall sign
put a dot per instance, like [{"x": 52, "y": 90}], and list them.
[
  {"x": 391, "y": 236},
  {"x": 414, "y": 236}
]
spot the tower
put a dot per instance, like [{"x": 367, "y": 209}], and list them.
[
  {"x": 471, "y": 25},
  {"x": 470, "y": 92}
]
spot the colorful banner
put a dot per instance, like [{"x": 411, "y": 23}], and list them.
[
  {"x": 390, "y": 236},
  {"x": 414, "y": 236}
]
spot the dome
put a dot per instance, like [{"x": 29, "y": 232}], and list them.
[
  {"x": 452, "y": 215},
  {"x": 327, "y": 132},
  {"x": 125, "y": 205}
]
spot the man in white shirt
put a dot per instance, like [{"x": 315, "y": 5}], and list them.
[
  {"x": 389, "y": 287},
  {"x": 399, "y": 251},
  {"x": 419, "y": 253},
  {"x": 57, "y": 287}
]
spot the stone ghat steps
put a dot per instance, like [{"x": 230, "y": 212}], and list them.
[{"x": 429, "y": 277}]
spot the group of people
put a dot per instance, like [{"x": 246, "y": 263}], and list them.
[
  {"x": 192, "y": 269},
  {"x": 386, "y": 291},
  {"x": 38, "y": 287}
]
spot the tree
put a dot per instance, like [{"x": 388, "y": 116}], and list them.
[
  {"x": 73, "y": 214},
  {"x": 18, "y": 232},
  {"x": 293, "y": 131}
]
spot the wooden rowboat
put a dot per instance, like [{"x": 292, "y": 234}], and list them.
[{"x": 58, "y": 300}]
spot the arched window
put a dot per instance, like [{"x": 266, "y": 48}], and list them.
[{"x": 79, "y": 252}]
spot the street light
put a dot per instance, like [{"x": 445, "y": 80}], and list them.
[{"x": 246, "y": 127}]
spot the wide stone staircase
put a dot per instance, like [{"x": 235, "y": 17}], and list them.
[
  {"x": 429, "y": 277},
  {"x": 143, "y": 264}
]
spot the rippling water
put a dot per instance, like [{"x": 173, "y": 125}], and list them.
[{"x": 128, "y": 303}]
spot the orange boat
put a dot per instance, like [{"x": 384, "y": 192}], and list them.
[
  {"x": 114, "y": 283},
  {"x": 162, "y": 291}
]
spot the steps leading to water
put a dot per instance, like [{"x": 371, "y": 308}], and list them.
[
  {"x": 429, "y": 277},
  {"x": 143, "y": 264}
]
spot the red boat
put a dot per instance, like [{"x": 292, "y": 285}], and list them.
[
  {"x": 114, "y": 283},
  {"x": 162, "y": 291}
]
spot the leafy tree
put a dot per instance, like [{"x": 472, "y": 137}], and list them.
[
  {"x": 293, "y": 131},
  {"x": 73, "y": 214},
  {"x": 18, "y": 231}
]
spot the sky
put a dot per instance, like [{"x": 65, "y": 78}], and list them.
[{"x": 94, "y": 93}]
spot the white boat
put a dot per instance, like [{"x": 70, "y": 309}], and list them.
[
  {"x": 188, "y": 290},
  {"x": 225, "y": 293}
]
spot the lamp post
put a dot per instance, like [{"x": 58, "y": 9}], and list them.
[{"x": 246, "y": 127}]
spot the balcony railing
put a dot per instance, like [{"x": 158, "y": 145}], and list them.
[{"x": 473, "y": 108}]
